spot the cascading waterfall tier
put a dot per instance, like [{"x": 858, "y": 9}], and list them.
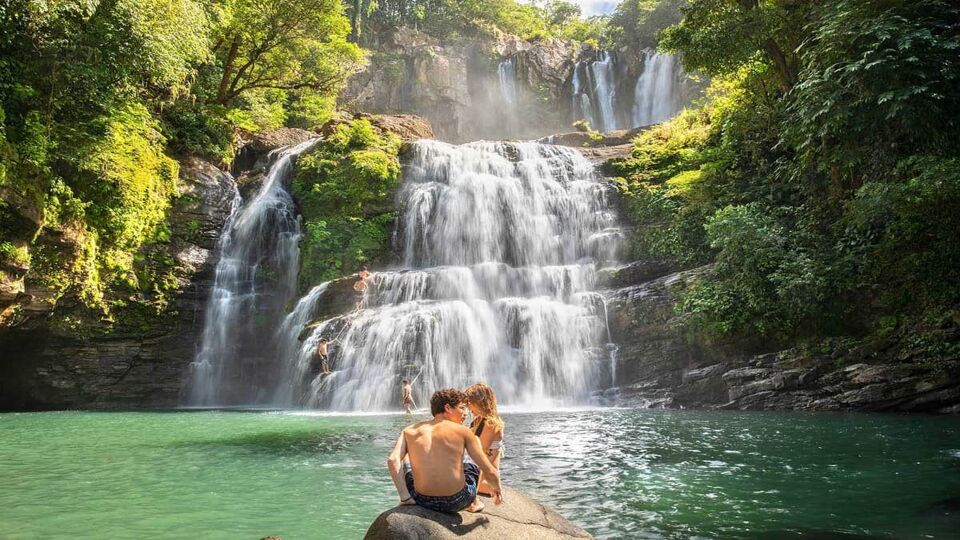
[
  {"x": 507, "y": 75},
  {"x": 657, "y": 94},
  {"x": 500, "y": 245},
  {"x": 255, "y": 278}
]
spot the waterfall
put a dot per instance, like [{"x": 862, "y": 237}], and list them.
[
  {"x": 508, "y": 82},
  {"x": 289, "y": 346},
  {"x": 254, "y": 279},
  {"x": 604, "y": 84},
  {"x": 655, "y": 97},
  {"x": 582, "y": 106},
  {"x": 654, "y": 94},
  {"x": 499, "y": 244},
  {"x": 507, "y": 73}
]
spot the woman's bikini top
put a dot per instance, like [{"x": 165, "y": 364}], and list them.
[{"x": 494, "y": 445}]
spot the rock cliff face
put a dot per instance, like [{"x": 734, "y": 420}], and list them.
[
  {"x": 466, "y": 90},
  {"x": 78, "y": 359},
  {"x": 661, "y": 365}
]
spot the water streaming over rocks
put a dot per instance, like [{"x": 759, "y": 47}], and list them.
[
  {"x": 255, "y": 278},
  {"x": 655, "y": 98},
  {"x": 507, "y": 74},
  {"x": 601, "y": 91},
  {"x": 499, "y": 244},
  {"x": 605, "y": 86}
]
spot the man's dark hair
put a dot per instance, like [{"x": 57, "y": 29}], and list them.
[
  {"x": 441, "y": 398},
  {"x": 405, "y": 381}
]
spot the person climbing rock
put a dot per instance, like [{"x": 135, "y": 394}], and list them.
[
  {"x": 406, "y": 400},
  {"x": 362, "y": 285},
  {"x": 322, "y": 354}
]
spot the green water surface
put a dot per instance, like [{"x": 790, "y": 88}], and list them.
[{"x": 619, "y": 473}]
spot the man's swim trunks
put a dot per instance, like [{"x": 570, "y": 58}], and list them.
[{"x": 451, "y": 503}]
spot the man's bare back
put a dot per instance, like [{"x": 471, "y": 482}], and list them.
[{"x": 436, "y": 455}]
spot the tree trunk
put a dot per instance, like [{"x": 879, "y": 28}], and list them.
[
  {"x": 780, "y": 63},
  {"x": 355, "y": 21},
  {"x": 228, "y": 67}
]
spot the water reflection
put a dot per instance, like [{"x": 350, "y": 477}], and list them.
[{"x": 634, "y": 474}]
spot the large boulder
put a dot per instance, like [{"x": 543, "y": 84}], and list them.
[
  {"x": 409, "y": 127},
  {"x": 518, "y": 518},
  {"x": 253, "y": 154}
]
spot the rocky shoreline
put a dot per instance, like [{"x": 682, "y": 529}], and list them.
[{"x": 662, "y": 366}]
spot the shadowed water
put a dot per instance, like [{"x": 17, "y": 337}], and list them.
[{"x": 621, "y": 474}]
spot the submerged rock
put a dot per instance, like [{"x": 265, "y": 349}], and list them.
[{"x": 518, "y": 518}]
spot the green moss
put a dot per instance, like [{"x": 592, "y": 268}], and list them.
[{"x": 345, "y": 188}]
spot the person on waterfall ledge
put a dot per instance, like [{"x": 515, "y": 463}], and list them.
[
  {"x": 361, "y": 285},
  {"x": 427, "y": 464},
  {"x": 487, "y": 426},
  {"x": 322, "y": 354}
]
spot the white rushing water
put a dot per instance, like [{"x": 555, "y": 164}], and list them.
[
  {"x": 507, "y": 74},
  {"x": 500, "y": 244},
  {"x": 582, "y": 106},
  {"x": 254, "y": 279},
  {"x": 508, "y": 82},
  {"x": 654, "y": 95},
  {"x": 605, "y": 88}
]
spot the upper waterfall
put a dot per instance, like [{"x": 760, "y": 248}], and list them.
[
  {"x": 499, "y": 245},
  {"x": 610, "y": 92}
]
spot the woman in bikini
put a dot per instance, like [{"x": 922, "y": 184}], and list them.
[{"x": 487, "y": 426}]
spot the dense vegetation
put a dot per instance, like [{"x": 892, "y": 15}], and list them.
[
  {"x": 345, "y": 187},
  {"x": 96, "y": 96},
  {"x": 822, "y": 175},
  {"x": 450, "y": 19}
]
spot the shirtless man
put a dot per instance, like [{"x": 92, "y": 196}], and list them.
[
  {"x": 437, "y": 476},
  {"x": 322, "y": 354},
  {"x": 361, "y": 285},
  {"x": 406, "y": 400}
]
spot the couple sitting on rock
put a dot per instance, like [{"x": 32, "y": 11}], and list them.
[{"x": 428, "y": 465}]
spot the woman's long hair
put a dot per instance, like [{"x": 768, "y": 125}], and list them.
[{"x": 483, "y": 397}]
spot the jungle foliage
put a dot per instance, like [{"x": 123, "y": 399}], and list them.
[
  {"x": 821, "y": 174},
  {"x": 345, "y": 187},
  {"x": 451, "y": 19},
  {"x": 96, "y": 96}
]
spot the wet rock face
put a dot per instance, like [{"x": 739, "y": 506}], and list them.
[
  {"x": 518, "y": 518},
  {"x": 138, "y": 359},
  {"x": 254, "y": 153},
  {"x": 661, "y": 365}
]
